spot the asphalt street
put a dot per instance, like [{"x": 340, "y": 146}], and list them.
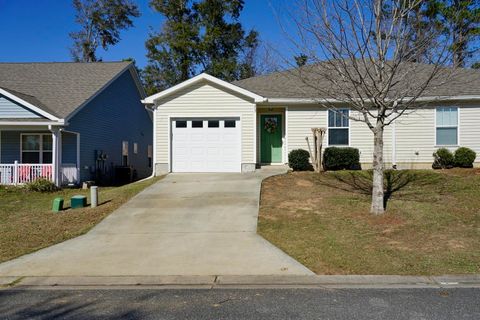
[{"x": 393, "y": 304}]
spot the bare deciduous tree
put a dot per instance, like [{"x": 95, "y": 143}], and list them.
[{"x": 360, "y": 54}]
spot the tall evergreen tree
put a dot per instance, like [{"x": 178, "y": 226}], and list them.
[
  {"x": 461, "y": 18},
  {"x": 199, "y": 36},
  {"x": 172, "y": 52},
  {"x": 101, "y": 22}
]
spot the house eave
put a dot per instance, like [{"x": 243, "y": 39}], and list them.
[
  {"x": 199, "y": 78},
  {"x": 60, "y": 122},
  {"x": 303, "y": 101}
]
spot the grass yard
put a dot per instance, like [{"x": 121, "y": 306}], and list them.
[
  {"x": 28, "y": 224},
  {"x": 432, "y": 224}
]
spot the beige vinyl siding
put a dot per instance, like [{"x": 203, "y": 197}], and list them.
[
  {"x": 415, "y": 134},
  {"x": 470, "y": 128},
  {"x": 205, "y": 100},
  {"x": 301, "y": 119},
  {"x": 361, "y": 137}
]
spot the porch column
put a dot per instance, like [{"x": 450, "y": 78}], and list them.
[{"x": 56, "y": 156}]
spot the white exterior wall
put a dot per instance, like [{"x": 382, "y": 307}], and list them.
[
  {"x": 204, "y": 100},
  {"x": 470, "y": 128},
  {"x": 414, "y": 134},
  {"x": 416, "y": 137},
  {"x": 300, "y": 120}
]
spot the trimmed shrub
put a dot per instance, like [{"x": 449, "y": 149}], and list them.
[
  {"x": 41, "y": 185},
  {"x": 464, "y": 157},
  {"x": 443, "y": 159},
  {"x": 298, "y": 160},
  {"x": 335, "y": 158}
]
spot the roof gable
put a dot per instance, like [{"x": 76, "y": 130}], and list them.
[
  {"x": 206, "y": 78},
  {"x": 29, "y": 104},
  {"x": 59, "y": 89},
  {"x": 10, "y": 109}
]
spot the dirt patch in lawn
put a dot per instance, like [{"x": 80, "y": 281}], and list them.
[
  {"x": 432, "y": 224},
  {"x": 27, "y": 223}
]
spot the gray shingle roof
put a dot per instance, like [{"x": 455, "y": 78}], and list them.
[
  {"x": 288, "y": 84},
  {"x": 57, "y": 87}
]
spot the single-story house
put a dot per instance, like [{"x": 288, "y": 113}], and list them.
[
  {"x": 208, "y": 125},
  {"x": 72, "y": 122}
]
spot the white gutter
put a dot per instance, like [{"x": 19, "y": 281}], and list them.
[
  {"x": 60, "y": 122},
  {"x": 394, "y": 144},
  {"x": 329, "y": 100}
]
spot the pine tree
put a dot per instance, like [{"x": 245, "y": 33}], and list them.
[
  {"x": 101, "y": 22},
  {"x": 462, "y": 19},
  {"x": 172, "y": 53},
  {"x": 199, "y": 36}
]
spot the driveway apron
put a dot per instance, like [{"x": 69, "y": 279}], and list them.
[{"x": 186, "y": 224}]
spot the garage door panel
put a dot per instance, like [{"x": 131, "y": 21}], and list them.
[{"x": 208, "y": 147}]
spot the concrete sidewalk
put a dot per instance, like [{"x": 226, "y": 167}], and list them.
[{"x": 184, "y": 225}]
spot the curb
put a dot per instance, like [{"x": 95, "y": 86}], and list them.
[{"x": 259, "y": 281}]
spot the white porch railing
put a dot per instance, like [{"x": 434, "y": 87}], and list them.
[
  {"x": 69, "y": 173},
  {"x": 20, "y": 173}
]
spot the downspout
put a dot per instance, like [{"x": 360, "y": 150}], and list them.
[
  {"x": 56, "y": 154},
  {"x": 394, "y": 144}
]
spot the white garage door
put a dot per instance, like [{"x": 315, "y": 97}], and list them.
[{"x": 206, "y": 145}]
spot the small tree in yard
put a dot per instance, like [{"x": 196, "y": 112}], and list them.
[{"x": 362, "y": 57}]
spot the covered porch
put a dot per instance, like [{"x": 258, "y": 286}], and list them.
[{"x": 30, "y": 151}]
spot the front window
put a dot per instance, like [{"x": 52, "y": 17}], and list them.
[
  {"x": 338, "y": 126},
  {"x": 447, "y": 126},
  {"x": 37, "y": 148}
]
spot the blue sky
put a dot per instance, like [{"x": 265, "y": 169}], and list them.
[{"x": 37, "y": 30}]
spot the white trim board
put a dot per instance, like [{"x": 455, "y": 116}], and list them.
[{"x": 203, "y": 77}]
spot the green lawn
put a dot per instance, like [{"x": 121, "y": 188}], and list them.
[
  {"x": 28, "y": 224},
  {"x": 432, "y": 224}
]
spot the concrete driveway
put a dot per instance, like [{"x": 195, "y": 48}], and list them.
[{"x": 186, "y": 224}]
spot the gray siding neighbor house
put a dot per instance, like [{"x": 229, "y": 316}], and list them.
[{"x": 72, "y": 122}]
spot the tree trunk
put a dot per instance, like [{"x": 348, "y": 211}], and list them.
[{"x": 377, "y": 190}]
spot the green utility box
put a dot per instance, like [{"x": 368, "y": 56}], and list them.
[
  {"x": 57, "y": 205},
  {"x": 78, "y": 201}
]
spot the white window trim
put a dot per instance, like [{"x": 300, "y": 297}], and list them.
[
  {"x": 328, "y": 129},
  {"x": 40, "y": 151},
  {"x": 437, "y": 126}
]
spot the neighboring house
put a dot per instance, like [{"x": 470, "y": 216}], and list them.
[
  {"x": 208, "y": 125},
  {"x": 72, "y": 122}
]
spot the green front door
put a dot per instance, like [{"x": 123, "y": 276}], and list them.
[{"x": 270, "y": 138}]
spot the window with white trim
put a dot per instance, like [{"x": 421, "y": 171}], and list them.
[
  {"x": 36, "y": 148},
  {"x": 447, "y": 126},
  {"x": 338, "y": 127}
]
